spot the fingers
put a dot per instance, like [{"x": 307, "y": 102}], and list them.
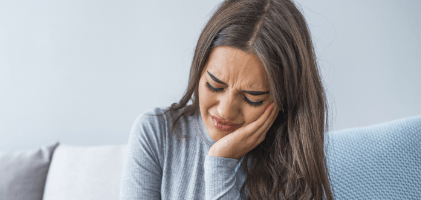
[
  {"x": 254, "y": 126},
  {"x": 272, "y": 113},
  {"x": 261, "y": 132},
  {"x": 262, "y": 135}
]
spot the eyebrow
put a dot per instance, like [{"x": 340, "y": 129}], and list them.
[{"x": 254, "y": 93}]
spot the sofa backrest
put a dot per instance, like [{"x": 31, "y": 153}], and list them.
[
  {"x": 85, "y": 172},
  {"x": 381, "y": 161}
]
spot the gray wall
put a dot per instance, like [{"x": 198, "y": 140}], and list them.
[{"x": 80, "y": 72}]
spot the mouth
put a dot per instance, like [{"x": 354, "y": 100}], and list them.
[
  {"x": 224, "y": 127},
  {"x": 220, "y": 121}
]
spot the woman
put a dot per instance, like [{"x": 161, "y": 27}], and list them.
[{"x": 256, "y": 126}]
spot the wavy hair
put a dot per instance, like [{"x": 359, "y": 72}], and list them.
[{"x": 291, "y": 162}]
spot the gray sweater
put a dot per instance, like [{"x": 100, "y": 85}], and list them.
[{"x": 160, "y": 166}]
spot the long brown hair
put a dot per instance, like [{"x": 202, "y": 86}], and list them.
[{"x": 291, "y": 162}]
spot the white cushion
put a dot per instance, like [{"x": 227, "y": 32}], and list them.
[{"x": 85, "y": 172}]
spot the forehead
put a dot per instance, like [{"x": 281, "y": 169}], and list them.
[{"x": 233, "y": 65}]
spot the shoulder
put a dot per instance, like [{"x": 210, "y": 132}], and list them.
[
  {"x": 154, "y": 118},
  {"x": 148, "y": 131},
  {"x": 160, "y": 120},
  {"x": 147, "y": 137}
]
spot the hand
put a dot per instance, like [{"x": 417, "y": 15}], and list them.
[{"x": 244, "y": 139}]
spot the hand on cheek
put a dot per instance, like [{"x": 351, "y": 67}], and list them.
[
  {"x": 246, "y": 138},
  {"x": 262, "y": 113}
]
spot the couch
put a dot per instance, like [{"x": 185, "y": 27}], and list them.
[{"x": 381, "y": 161}]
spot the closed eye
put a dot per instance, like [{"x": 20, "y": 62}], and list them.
[{"x": 217, "y": 90}]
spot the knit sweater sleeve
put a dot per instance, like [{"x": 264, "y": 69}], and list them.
[
  {"x": 142, "y": 172},
  {"x": 220, "y": 179}
]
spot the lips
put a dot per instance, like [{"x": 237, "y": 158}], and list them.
[
  {"x": 223, "y": 122},
  {"x": 223, "y": 125}
]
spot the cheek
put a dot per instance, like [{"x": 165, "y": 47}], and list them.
[
  {"x": 253, "y": 115},
  {"x": 206, "y": 92},
  {"x": 205, "y": 96}
]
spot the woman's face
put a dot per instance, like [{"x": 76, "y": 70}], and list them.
[{"x": 241, "y": 90}]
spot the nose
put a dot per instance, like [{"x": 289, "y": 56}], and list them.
[{"x": 228, "y": 108}]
